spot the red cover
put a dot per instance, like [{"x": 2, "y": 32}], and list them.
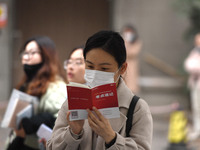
[{"x": 103, "y": 96}]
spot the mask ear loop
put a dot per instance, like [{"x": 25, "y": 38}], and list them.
[
  {"x": 119, "y": 75},
  {"x": 121, "y": 67}
]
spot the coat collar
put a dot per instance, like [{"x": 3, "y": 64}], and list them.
[{"x": 124, "y": 94}]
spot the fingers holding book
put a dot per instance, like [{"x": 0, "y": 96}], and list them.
[{"x": 100, "y": 125}]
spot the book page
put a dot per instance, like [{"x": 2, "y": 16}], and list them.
[
  {"x": 106, "y": 101},
  {"x": 79, "y": 98},
  {"x": 78, "y": 85}
]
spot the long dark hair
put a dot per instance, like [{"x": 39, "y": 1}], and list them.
[{"x": 50, "y": 69}]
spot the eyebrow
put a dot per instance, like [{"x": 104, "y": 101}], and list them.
[
  {"x": 31, "y": 50},
  {"x": 99, "y": 64}
]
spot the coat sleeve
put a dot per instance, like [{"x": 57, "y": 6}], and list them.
[
  {"x": 53, "y": 99},
  {"x": 62, "y": 138}
]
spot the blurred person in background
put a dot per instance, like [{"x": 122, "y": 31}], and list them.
[
  {"x": 44, "y": 79},
  {"x": 75, "y": 69},
  {"x": 75, "y": 66},
  {"x": 192, "y": 66},
  {"x": 133, "y": 48}
]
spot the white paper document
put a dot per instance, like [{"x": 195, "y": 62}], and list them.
[
  {"x": 19, "y": 101},
  {"x": 44, "y": 132}
]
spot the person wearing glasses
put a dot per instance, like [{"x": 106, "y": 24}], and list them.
[
  {"x": 75, "y": 66},
  {"x": 75, "y": 70},
  {"x": 105, "y": 62},
  {"x": 43, "y": 77}
]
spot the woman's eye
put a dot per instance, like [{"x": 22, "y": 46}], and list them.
[
  {"x": 104, "y": 69},
  {"x": 90, "y": 67}
]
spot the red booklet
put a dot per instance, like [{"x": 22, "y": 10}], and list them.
[{"x": 103, "y": 97}]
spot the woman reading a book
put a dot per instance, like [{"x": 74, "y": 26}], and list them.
[
  {"x": 105, "y": 62},
  {"x": 44, "y": 79}
]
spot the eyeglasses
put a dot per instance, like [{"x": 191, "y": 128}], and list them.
[
  {"x": 76, "y": 62},
  {"x": 29, "y": 54}
]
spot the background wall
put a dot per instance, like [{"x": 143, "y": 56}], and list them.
[
  {"x": 68, "y": 23},
  {"x": 160, "y": 29},
  {"x": 6, "y": 53}
]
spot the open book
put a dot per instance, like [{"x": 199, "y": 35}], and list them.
[
  {"x": 20, "y": 105},
  {"x": 103, "y": 97}
]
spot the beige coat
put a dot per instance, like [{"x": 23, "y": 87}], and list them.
[{"x": 141, "y": 132}]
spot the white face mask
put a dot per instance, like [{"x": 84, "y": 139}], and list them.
[
  {"x": 95, "y": 78},
  {"x": 129, "y": 37}
]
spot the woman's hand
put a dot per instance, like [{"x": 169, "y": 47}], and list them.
[
  {"x": 100, "y": 125},
  {"x": 76, "y": 126},
  {"x": 43, "y": 142}
]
